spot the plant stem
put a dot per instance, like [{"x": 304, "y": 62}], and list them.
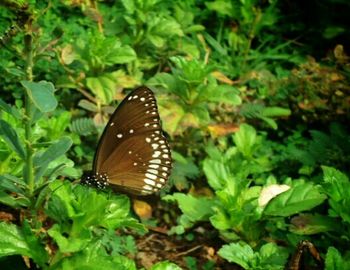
[{"x": 29, "y": 172}]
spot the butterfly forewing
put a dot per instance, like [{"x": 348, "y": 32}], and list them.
[{"x": 133, "y": 152}]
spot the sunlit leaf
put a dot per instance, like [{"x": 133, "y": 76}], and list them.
[{"x": 42, "y": 94}]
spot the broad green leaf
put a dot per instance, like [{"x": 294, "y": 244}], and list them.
[
  {"x": 184, "y": 168},
  {"x": 216, "y": 172},
  {"x": 336, "y": 183},
  {"x": 42, "y": 95},
  {"x": 103, "y": 87},
  {"x": 37, "y": 249},
  {"x": 245, "y": 139},
  {"x": 275, "y": 112},
  {"x": 165, "y": 266},
  {"x": 9, "y": 134},
  {"x": 122, "y": 55},
  {"x": 308, "y": 224},
  {"x": 272, "y": 256},
  {"x": 242, "y": 254},
  {"x": 87, "y": 105},
  {"x": 9, "y": 109},
  {"x": 129, "y": 5},
  {"x": 334, "y": 260},
  {"x": 171, "y": 114},
  {"x": 22, "y": 241},
  {"x": 12, "y": 240},
  {"x": 11, "y": 186},
  {"x": 337, "y": 187},
  {"x": 74, "y": 243},
  {"x": 15, "y": 202},
  {"x": 299, "y": 198},
  {"x": 94, "y": 257},
  {"x": 222, "y": 7},
  {"x": 225, "y": 94},
  {"x": 156, "y": 40},
  {"x": 195, "y": 208},
  {"x": 220, "y": 219},
  {"x": 272, "y": 123},
  {"x": 54, "y": 151}
]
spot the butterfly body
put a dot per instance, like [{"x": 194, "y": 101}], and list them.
[{"x": 133, "y": 154}]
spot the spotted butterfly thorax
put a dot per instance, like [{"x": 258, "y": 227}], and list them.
[{"x": 133, "y": 155}]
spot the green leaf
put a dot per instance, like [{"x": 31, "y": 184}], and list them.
[
  {"x": 87, "y": 105},
  {"x": 15, "y": 202},
  {"x": 275, "y": 112},
  {"x": 12, "y": 240},
  {"x": 42, "y": 95},
  {"x": 37, "y": 249},
  {"x": 245, "y": 139},
  {"x": 272, "y": 123},
  {"x": 301, "y": 197},
  {"x": 103, "y": 87},
  {"x": 10, "y": 136},
  {"x": 70, "y": 243},
  {"x": 225, "y": 94},
  {"x": 9, "y": 109},
  {"x": 15, "y": 240},
  {"x": 272, "y": 256},
  {"x": 183, "y": 169},
  {"x": 195, "y": 208},
  {"x": 308, "y": 224},
  {"x": 337, "y": 187},
  {"x": 54, "y": 151},
  {"x": 216, "y": 172},
  {"x": 8, "y": 184},
  {"x": 242, "y": 254},
  {"x": 94, "y": 257},
  {"x": 122, "y": 55},
  {"x": 334, "y": 260},
  {"x": 165, "y": 266}
]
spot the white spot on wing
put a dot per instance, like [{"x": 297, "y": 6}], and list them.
[
  {"x": 152, "y": 171},
  {"x": 156, "y": 154},
  {"x": 154, "y": 166},
  {"x": 149, "y": 182},
  {"x": 154, "y": 146},
  {"x": 131, "y": 131},
  {"x": 151, "y": 176},
  {"x": 148, "y": 140},
  {"x": 119, "y": 135},
  {"x": 157, "y": 161},
  {"x": 147, "y": 187}
]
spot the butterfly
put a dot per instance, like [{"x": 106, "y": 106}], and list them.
[{"x": 133, "y": 155}]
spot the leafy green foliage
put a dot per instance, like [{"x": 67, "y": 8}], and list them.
[
  {"x": 270, "y": 256},
  {"x": 334, "y": 260},
  {"x": 214, "y": 66},
  {"x": 21, "y": 241},
  {"x": 195, "y": 89}
]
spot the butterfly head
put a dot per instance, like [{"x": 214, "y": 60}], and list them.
[{"x": 97, "y": 180}]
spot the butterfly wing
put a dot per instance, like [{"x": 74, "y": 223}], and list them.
[{"x": 133, "y": 152}]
